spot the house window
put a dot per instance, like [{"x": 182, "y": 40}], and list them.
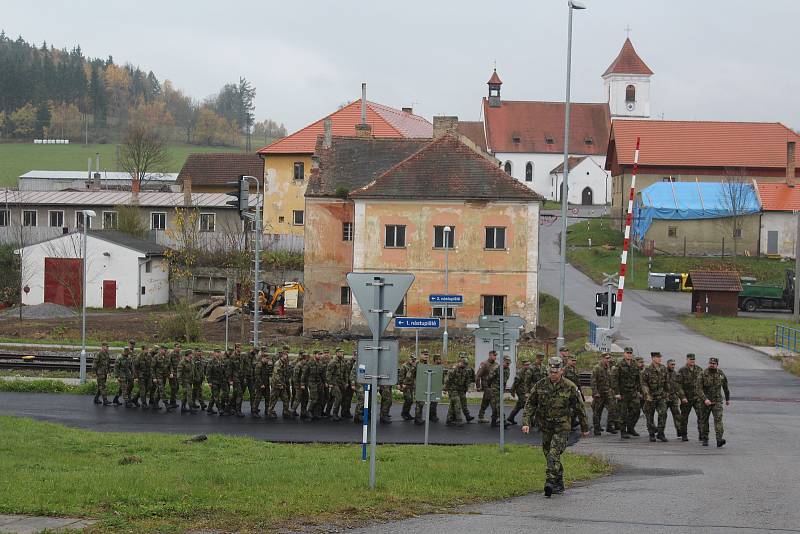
[
  {"x": 158, "y": 220},
  {"x": 344, "y": 295},
  {"x": 281, "y": 219},
  {"x": 549, "y": 140},
  {"x": 79, "y": 220},
  {"x": 529, "y": 172},
  {"x": 208, "y": 222},
  {"x": 148, "y": 266},
  {"x": 442, "y": 239},
  {"x": 347, "y": 231},
  {"x": 630, "y": 93},
  {"x": 493, "y": 304},
  {"x": 507, "y": 167},
  {"x": 4, "y": 217},
  {"x": 142, "y": 290},
  {"x": 109, "y": 220},
  {"x": 495, "y": 238},
  {"x": 29, "y": 217},
  {"x": 55, "y": 219},
  {"x": 299, "y": 170},
  {"x": 395, "y": 236},
  {"x": 439, "y": 311},
  {"x": 672, "y": 231},
  {"x": 298, "y": 217},
  {"x": 737, "y": 232}
]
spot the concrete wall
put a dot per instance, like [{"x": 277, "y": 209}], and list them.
[
  {"x": 704, "y": 236},
  {"x": 785, "y": 223},
  {"x": 105, "y": 261},
  {"x": 284, "y": 194},
  {"x": 588, "y": 173}
]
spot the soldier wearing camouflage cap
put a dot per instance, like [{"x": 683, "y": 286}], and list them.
[
  {"x": 626, "y": 383},
  {"x": 710, "y": 387},
  {"x": 546, "y": 403},
  {"x": 674, "y": 394},
  {"x": 523, "y": 381},
  {"x": 687, "y": 379}
]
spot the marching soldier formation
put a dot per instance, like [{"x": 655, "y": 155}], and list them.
[{"x": 320, "y": 385}]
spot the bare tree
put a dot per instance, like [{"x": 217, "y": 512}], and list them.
[
  {"x": 143, "y": 153},
  {"x": 737, "y": 196}
]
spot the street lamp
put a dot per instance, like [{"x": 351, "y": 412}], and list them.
[
  {"x": 87, "y": 215},
  {"x": 573, "y": 5},
  {"x": 447, "y": 243}
]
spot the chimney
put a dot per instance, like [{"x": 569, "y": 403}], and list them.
[
  {"x": 363, "y": 129},
  {"x": 443, "y": 125},
  {"x": 187, "y": 191},
  {"x": 790, "y": 162},
  {"x": 327, "y": 138},
  {"x": 96, "y": 182},
  {"x": 410, "y": 111}
]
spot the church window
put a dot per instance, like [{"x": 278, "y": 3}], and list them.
[
  {"x": 529, "y": 171},
  {"x": 507, "y": 167},
  {"x": 630, "y": 94}
]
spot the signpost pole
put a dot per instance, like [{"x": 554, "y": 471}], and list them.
[
  {"x": 365, "y": 423},
  {"x": 427, "y": 404},
  {"x": 502, "y": 402},
  {"x": 376, "y": 341}
]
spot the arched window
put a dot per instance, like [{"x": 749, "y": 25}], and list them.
[
  {"x": 529, "y": 172},
  {"x": 630, "y": 93},
  {"x": 507, "y": 167}
]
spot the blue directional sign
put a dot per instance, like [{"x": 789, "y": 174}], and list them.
[
  {"x": 416, "y": 322},
  {"x": 445, "y": 300}
]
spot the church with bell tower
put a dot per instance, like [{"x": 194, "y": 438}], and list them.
[{"x": 627, "y": 85}]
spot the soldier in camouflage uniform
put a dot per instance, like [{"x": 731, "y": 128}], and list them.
[
  {"x": 520, "y": 388},
  {"x": 626, "y": 383},
  {"x": 161, "y": 369},
  {"x": 385, "y": 393},
  {"x": 358, "y": 390},
  {"x": 493, "y": 385},
  {"x": 261, "y": 375},
  {"x": 571, "y": 374},
  {"x": 433, "y": 413},
  {"x": 654, "y": 388},
  {"x": 674, "y": 395},
  {"x": 462, "y": 390},
  {"x": 143, "y": 374},
  {"x": 326, "y": 389},
  {"x": 347, "y": 389},
  {"x": 406, "y": 382},
  {"x": 198, "y": 377},
  {"x": 419, "y": 404},
  {"x": 174, "y": 362},
  {"x": 102, "y": 366},
  {"x": 312, "y": 380},
  {"x": 687, "y": 380},
  {"x": 185, "y": 375},
  {"x": 215, "y": 370},
  {"x": 552, "y": 402},
  {"x": 233, "y": 374},
  {"x": 603, "y": 396},
  {"x": 123, "y": 371},
  {"x": 248, "y": 364},
  {"x": 711, "y": 384},
  {"x": 279, "y": 387},
  {"x": 456, "y": 381},
  {"x": 486, "y": 368},
  {"x": 334, "y": 377},
  {"x": 300, "y": 392}
]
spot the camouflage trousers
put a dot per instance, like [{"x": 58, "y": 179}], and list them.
[
  {"x": 454, "y": 412},
  {"x": 173, "y": 389},
  {"x": 125, "y": 388},
  {"x": 261, "y": 393},
  {"x": 315, "y": 399},
  {"x": 278, "y": 393},
  {"x": 464, "y": 407},
  {"x": 145, "y": 383},
  {"x": 234, "y": 396},
  {"x": 102, "y": 388},
  {"x": 359, "y": 411},
  {"x": 158, "y": 391},
  {"x": 494, "y": 402},
  {"x": 347, "y": 399},
  {"x": 674, "y": 407},
  {"x": 218, "y": 396},
  {"x": 249, "y": 386},
  {"x": 629, "y": 409},
  {"x": 607, "y": 402},
  {"x": 485, "y": 402},
  {"x": 652, "y": 407},
  {"x": 408, "y": 399},
  {"x": 300, "y": 399},
  {"x": 554, "y": 442},
  {"x": 336, "y": 395},
  {"x": 386, "y": 399},
  {"x": 197, "y": 393},
  {"x": 186, "y": 391},
  {"x": 686, "y": 409},
  {"x": 716, "y": 409}
]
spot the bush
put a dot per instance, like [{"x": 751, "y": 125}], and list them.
[
  {"x": 181, "y": 325},
  {"x": 283, "y": 260}
]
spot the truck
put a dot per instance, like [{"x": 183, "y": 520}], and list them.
[{"x": 755, "y": 296}]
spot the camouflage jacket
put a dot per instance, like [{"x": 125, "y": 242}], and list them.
[
  {"x": 687, "y": 380},
  {"x": 161, "y": 367},
  {"x": 174, "y": 361},
  {"x": 185, "y": 371},
  {"x": 245, "y": 366},
  {"x": 457, "y": 379},
  {"x": 312, "y": 374},
  {"x": 522, "y": 382},
  {"x": 408, "y": 375},
  {"x": 297, "y": 372},
  {"x": 537, "y": 373},
  {"x": 553, "y": 405},
  {"x": 262, "y": 373},
  {"x": 492, "y": 381},
  {"x": 198, "y": 370},
  {"x": 571, "y": 374},
  {"x": 711, "y": 384},
  {"x": 601, "y": 380},
  {"x": 626, "y": 378},
  {"x": 654, "y": 382},
  {"x": 485, "y": 369},
  {"x": 232, "y": 368},
  {"x": 123, "y": 367},
  {"x": 280, "y": 375},
  {"x": 142, "y": 366},
  {"x": 215, "y": 370},
  {"x": 335, "y": 374},
  {"x": 674, "y": 389},
  {"x": 102, "y": 363}
]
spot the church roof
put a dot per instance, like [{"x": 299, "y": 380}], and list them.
[
  {"x": 495, "y": 79},
  {"x": 628, "y": 62}
]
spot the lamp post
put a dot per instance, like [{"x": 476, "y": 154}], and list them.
[
  {"x": 447, "y": 242},
  {"x": 573, "y": 5},
  {"x": 87, "y": 215}
]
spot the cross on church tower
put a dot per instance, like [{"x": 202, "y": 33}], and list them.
[{"x": 628, "y": 30}]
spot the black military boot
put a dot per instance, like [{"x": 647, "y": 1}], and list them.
[
  {"x": 623, "y": 434},
  {"x": 385, "y": 420},
  {"x": 548, "y": 489},
  {"x": 611, "y": 429},
  {"x": 495, "y": 422},
  {"x": 135, "y": 402},
  {"x": 97, "y": 398},
  {"x": 652, "y": 438},
  {"x": 169, "y": 407},
  {"x": 116, "y": 401},
  {"x": 469, "y": 418},
  {"x": 203, "y": 406},
  {"x": 661, "y": 437},
  {"x": 211, "y": 410},
  {"x": 704, "y": 442},
  {"x": 632, "y": 431},
  {"x": 558, "y": 487},
  {"x": 721, "y": 442},
  {"x": 597, "y": 431},
  {"x": 419, "y": 421},
  {"x": 184, "y": 409},
  {"x": 684, "y": 437}
]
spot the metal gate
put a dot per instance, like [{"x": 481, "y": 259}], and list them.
[{"x": 63, "y": 281}]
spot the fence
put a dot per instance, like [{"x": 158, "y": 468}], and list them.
[{"x": 786, "y": 337}]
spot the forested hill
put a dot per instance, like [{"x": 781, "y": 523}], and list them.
[{"x": 47, "y": 92}]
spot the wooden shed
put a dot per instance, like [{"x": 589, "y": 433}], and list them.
[{"x": 717, "y": 292}]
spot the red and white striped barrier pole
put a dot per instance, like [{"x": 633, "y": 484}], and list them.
[{"x": 623, "y": 267}]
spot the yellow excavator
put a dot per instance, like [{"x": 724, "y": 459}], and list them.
[{"x": 269, "y": 295}]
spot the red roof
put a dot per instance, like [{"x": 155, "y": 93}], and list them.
[
  {"x": 715, "y": 281},
  {"x": 495, "y": 79},
  {"x": 538, "y": 127},
  {"x": 628, "y": 62},
  {"x": 474, "y": 132},
  {"x": 701, "y": 144},
  {"x": 385, "y": 122},
  {"x": 778, "y": 197}
]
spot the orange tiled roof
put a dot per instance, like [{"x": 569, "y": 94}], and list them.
[
  {"x": 495, "y": 79},
  {"x": 778, "y": 197},
  {"x": 715, "y": 281},
  {"x": 701, "y": 143},
  {"x": 385, "y": 122},
  {"x": 628, "y": 62}
]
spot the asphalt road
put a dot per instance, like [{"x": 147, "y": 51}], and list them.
[{"x": 750, "y": 485}]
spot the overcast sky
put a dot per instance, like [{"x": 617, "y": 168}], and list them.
[{"x": 713, "y": 59}]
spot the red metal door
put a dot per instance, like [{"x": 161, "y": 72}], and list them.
[
  {"x": 63, "y": 280},
  {"x": 109, "y": 294}
]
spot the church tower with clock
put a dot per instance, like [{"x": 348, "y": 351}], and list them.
[{"x": 627, "y": 85}]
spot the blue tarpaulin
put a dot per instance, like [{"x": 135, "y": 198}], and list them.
[{"x": 687, "y": 201}]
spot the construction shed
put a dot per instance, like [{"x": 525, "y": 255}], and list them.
[{"x": 716, "y": 292}]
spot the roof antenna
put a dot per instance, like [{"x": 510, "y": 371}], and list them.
[{"x": 364, "y": 104}]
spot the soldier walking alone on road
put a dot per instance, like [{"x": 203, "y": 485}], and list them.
[
  {"x": 102, "y": 366},
  {"x": 711, "y": 384},
  {"x": 603, "y": 396},
  {"x": 687, "y": 380},
  {"x": 627, "y": 386},
  {"x": 552, "y": 402},
  {"x": 654, "y": 387}
]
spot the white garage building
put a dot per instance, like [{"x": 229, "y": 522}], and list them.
[{"x": 122, "y": 271}]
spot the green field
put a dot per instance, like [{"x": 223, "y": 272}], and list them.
[
  {"x": 749, "y": 330},
  {"x": 156, "y": 482},
  {"x": 19, "y": 158}
]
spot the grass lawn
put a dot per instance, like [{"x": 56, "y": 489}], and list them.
[
  {"x": 759, "y": 332},
  {"x": 152, "y": 482},
  {"x": 576, "y": 328},
  {"x": 19, "y": 158},
  {"x": 600, "y": 231}
]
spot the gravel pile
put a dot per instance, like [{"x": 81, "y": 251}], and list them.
[{"x": 46, "y": 310}]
